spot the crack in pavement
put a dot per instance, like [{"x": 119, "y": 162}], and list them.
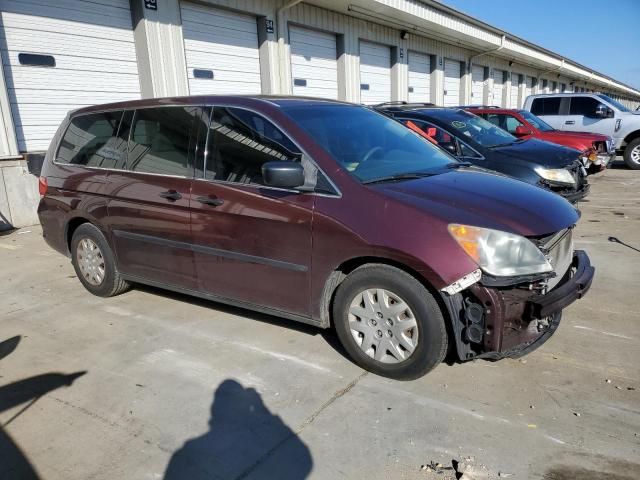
[{"x": 310, "y": 419}]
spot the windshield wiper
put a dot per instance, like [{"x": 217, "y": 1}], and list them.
[{"x": 398, "y": 177}]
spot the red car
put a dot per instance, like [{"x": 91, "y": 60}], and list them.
[{"x": 598, "y": 149}]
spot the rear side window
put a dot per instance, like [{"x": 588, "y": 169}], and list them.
[
  {"x": 240, "y": 141},
  {"x": 159, "y": 141},
  {"x": 585, "y": 106},
  {"x": 94, "y": 140},
  {"x": 546, "y": 106}
]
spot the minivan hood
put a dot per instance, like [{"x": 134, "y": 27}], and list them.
[
  {"x": 483, "y": 199},
  {"x": 536, "y": 151}
]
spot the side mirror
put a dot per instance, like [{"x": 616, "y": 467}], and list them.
[
  {"x": 522, "y": 131},
  {"x": 283, "y": 174},
  {"x": 603, "y": 112}
]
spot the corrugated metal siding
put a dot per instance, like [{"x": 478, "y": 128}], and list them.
[
  {"x": 95, "y": 61},
  {"x": 224, "y": 43}
]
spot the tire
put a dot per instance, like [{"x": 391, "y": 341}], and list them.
[
  {"x": 632, "y": 154},
  {"x": 94, "y": 262},
  {"x": 397, "y": 288}
]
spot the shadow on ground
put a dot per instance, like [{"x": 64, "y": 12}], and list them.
[
  {"x": 13, "y": 461},
  {"x": 245, "y": 440}
]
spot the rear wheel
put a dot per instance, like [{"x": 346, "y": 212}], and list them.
[
  {"x": 94, "y": 262},
  {"x": 632, "y": 154},
  {"x": 389, "y": 323}
]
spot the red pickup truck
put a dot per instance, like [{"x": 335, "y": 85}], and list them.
[{"x": 598, "y": 150}]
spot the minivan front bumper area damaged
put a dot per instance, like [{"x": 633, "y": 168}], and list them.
[{"x": 510, "y": 321}]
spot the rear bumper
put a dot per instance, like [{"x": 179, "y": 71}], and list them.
[{"x": 515, "y": 321}]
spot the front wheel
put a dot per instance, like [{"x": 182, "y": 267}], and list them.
[
  {"x": 389, "y": 323},
  {"x": 632, "y": 154}
]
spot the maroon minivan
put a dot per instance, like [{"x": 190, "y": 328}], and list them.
[{"x": 319, "y": 211}]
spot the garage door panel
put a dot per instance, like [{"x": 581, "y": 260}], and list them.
[
  {"x": 419, "y": 80},
  {"x": 477, "y": 84},
  {"x": 94, "y": 51},
  {"x": 498, "y": 88},
  {"x": 314, "y": 65},
  {"x": 36, "y": 78},
  {"x": 66, "y": 62},
  {"x": 451, "y": 82},
  {"x": 224, "y": 42},
  {"x": 103, "y": 15},
  {"x": 375, "y": 72},
  {"x": 514, "y": 91}
]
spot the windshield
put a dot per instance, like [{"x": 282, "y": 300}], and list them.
[
  {"x": 367, "y": 144},
  {"x": 483, "y": 132},
  {"x": 536, "y": 122},
  {"x": 616, "y": 104}
]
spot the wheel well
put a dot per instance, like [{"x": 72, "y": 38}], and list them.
[
  {"x": 340, "y": 273},
  {"x": 72, "y": 226},
  {"x": 632, "y": 136}
]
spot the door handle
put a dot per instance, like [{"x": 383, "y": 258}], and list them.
[
  {"x": 214, "y": 202},
  {"x": 171, "y": 195},
  {"x": 570, "y": 122}
]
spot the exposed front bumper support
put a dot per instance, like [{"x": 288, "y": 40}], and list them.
[{"x": 516, "y": 320}]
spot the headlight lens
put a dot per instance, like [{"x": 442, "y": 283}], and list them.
[
  {"x": 558, "y": 175},
  {"x": 499, "y": 253}
]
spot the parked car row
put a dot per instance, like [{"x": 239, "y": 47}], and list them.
[
  {"x": 328, "y": 213},
  {"x": 472, "y": 139}
]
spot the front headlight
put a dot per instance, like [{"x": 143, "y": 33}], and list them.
[
  {"x": 557, "y": 175},
  {"x": 499, "y": 253}
]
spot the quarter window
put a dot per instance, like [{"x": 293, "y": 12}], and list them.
[
  {"x": 160, "y": 140},
  {"x": 546, "y": 106},
  {"x": 240, "y": 141},
  {"x": 95, "y": 140}
]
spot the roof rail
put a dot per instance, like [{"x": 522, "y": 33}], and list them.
[{"x": 402, "y": 103}]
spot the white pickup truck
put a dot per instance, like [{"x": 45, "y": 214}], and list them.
[{"x": 591, "y": 112}]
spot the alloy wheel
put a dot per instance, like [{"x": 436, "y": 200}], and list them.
[
  {"x": 383, "y": 325},
  {"x": 635, "y": 154}
]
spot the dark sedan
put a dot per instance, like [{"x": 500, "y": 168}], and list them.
[{"x": 475, "y": 140}]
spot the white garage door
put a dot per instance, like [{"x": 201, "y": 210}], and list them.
[
  {"x": 515, "y": 86},
  {"x": 375, "y": 73},
  {"x": 498, "y": 88},
  {"x": 58, "y": 56},
  {"x": 477, "y": 85},
  {"x": 221, "y": 49},
  {"x": 314, "y": 65},
  {"x": 451, "y": 83},
  {"x": 419, "y": 77}
]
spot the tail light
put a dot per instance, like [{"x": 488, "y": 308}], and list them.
[{"x": 42, "y": 185}]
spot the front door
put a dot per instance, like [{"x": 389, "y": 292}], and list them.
[
  {"x": 582, "y": 117},
  {"x": 149, "y": 201},
  {"x": 252, "y": 243}
]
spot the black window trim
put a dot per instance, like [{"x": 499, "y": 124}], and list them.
[
  {"x": 124, "y": 110},
  {"x": 479, "y": 157},
  {"x": 336, "y": 191}
]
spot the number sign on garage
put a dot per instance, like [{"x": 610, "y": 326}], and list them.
[
  {"x": 221, "y": 49},
  {"x": 58, "y": 56},
  {"x": 314, "y": 65},
  {"x": 375, "y": 73}
]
